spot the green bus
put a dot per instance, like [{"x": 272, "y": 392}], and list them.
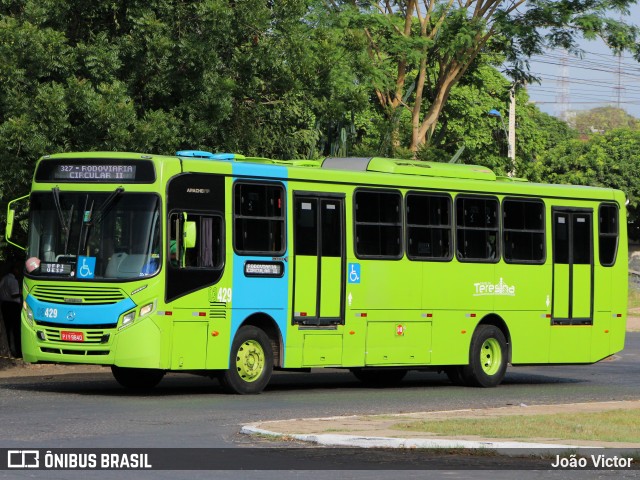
[{"x": 231, "y": 267}]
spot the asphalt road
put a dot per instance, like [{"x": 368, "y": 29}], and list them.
[{"x": 92, "y": 410}]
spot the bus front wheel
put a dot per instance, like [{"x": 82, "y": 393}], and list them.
[
  {"x": 487, "y": 358},
  {"x": 251, "y": 362},
  {"x": 137, "y": 378}
]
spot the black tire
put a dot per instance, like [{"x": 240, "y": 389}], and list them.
[
  {"x": 137, "y": 378},
  {"x": 379, "y": 377},
  {"x": 488, "y": 355},
  {"x": 250, "y": 362}
]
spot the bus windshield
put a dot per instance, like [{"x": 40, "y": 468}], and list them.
[{"x": 94, "y": 235}]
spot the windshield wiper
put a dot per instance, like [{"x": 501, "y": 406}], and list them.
[
  {"x": 88, "y": 220},
  {"x": 66, "y": 226},
  {"x": 107, "y": 204}
]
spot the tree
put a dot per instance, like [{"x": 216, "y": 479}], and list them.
[
  {"x": 603, "y": 119},
  {"x": 609, "y": 160},
  {"x": 259, "y": 78},
  {"x": 419, "y": 50},
  {"x": 536, "y": 134},
  {"x": 465, "y": 122}
]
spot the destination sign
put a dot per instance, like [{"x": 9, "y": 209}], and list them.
[
  {"x": 104, "y": 172},
  {"x": 263, "y": 269},
  {"x": 55, "y": 268},
  {"x": 94, "y": 170}
]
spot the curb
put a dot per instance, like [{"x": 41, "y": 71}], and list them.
[{"x": 327, "y": 440}]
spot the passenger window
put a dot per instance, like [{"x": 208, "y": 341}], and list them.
[
  {"x": 523, "y": 231},
  {"x": 477, "y": 229},
  {"x": 428, "y": 226},
  {"x": 195, "y": 241},
  {"x": 608, "y": 234},
  {"x": 378, "y": 224},
  {"x": 259, "y": 222}
]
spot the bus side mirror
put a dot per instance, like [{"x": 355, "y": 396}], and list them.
[
  {"x": 190, "y": 234},
  {"x": 10, "y": 216},
  {"x": 11, "y": 221}
]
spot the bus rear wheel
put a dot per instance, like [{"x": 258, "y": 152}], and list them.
[
  {"x": 137, "y": 378},
  {"x": 487, "y": 358},
  {"x": 251, "y": 362}
]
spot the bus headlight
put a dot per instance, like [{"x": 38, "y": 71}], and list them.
[
  {"x": 29, "y": 312},
  {"x": 128, "y": 319},
  {"x": 147, "y": 309}
]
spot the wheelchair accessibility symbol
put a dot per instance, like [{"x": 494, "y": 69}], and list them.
[
  {"x": 354, "y": 273},
  {"x": 86, "y": 267}
]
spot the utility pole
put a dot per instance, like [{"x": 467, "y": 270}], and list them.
[
  {"x": 512, "y": 128},
  {"x": 496, "y": 114},
  {"x": 619, "y": 88},
  {"x": 562, "y": 98}
]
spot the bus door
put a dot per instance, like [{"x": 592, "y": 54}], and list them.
[
  {"x": 572, "y": 267},
  {"x": 318, "y": 292}
]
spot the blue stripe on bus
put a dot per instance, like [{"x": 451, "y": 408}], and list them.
[
  {"x": 82, "y": 314},
  {"x": 259, "y": 170},
  {"x": 260, "y": 294}
]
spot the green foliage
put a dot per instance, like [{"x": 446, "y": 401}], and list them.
[
  {"x": 465, "y": 120},
  {"x": 419, "y": 51},
  {"x": 465, "y": 123},
  {"x": 608, "y": 160},
  {"x": 536, "y": 133},
  {"x": 158, "y": 75},
  {"x": 254, "y": 77},
  {"x": 603, "y": 119},
  {"x": 293, "y": 78}
]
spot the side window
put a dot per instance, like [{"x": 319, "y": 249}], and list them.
[
  {"x": 258, "y": 218},
  {"x": 477, "y": 229},
  {"x": 523, "y": 233},
  {"x": 306, "y": 226},
  {"x": 378, "y": 224},
  {"x": 608, "y": 234},
  {"x": 582, "y": 232},
  {"x": 428, "y": 226},
  {"x": 561, "y": 238},
  {"x": 196, "y": 241}
]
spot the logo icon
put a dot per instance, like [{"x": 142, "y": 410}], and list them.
[
  {"x": 23, "y": 459},
  {"x": 71, "y": 316},
  {"x": 354, "y": 273},
  {"x": 86, "y": 267}
]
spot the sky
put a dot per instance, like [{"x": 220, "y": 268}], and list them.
[{"x": 597, "y": 79}]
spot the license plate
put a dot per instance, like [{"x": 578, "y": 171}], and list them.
[{"x": 72, "y": 336}]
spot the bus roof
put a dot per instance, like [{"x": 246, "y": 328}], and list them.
[{"x": 372, "y": 171}]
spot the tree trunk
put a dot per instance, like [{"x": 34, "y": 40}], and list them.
[{"x": 426, "y": 127}]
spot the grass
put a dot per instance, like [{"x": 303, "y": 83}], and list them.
[{"x": 607, "y": 426}]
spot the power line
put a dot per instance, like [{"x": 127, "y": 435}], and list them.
[
  {"x": 612, "y": 80},
  {"x": 593, "y": 68},
  {"x": 583, "y": 62}
]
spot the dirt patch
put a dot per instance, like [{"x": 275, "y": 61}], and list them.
[
  {"x": 633, "y": 323},
  {"x": 18, "y": 368}
]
